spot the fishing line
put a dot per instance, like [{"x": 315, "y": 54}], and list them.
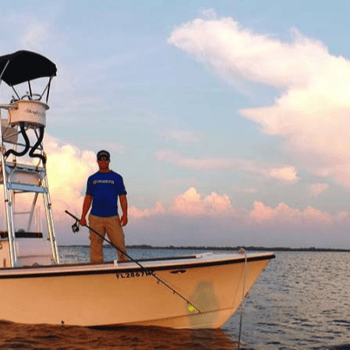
[
  {"x": 242, "y": 251},
  {"x": 75, "y": 228}
]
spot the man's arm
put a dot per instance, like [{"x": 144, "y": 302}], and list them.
[
  {"x": 124, "y": 205},
  {"x": 86, "y": 207}
]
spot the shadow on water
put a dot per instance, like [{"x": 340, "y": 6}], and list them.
[{"x": 48, "y": 337}]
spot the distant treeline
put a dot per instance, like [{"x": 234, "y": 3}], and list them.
[{"x": 247, "y": 248}]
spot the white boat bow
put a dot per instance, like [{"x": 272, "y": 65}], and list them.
[{"x": 209, "y": 289}]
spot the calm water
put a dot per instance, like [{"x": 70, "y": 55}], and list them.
[{"x": 301, "y": 301}]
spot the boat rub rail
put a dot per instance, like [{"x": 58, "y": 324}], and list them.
[{"x": 125, "y": 268}]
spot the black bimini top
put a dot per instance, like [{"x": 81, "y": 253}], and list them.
[{"x": 23, "y": 66}]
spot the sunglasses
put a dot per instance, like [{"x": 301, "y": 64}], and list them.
[{"x": 103, "y": 159}]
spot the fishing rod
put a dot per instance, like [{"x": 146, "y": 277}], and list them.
[{"x": 75, "y": 228}]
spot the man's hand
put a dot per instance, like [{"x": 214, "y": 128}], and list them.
[
  {"x": 86, "y": 207},
  {"x": 124, "y": 205},
  {"x": 82, "y": 221},
  {"x": 124, "y": 220}
]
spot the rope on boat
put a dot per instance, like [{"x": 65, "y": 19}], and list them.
[
  {"x": 242, "y": 251},
  {"x": 191, "y": 307}
]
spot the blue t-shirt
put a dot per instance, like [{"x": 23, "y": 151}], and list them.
[{"x": 104, "y": 188}]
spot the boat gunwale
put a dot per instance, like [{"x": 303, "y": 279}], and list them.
[{"x": 109, "y": 267}]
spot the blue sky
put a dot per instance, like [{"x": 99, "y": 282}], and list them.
[{"x": 227, "y": 119}]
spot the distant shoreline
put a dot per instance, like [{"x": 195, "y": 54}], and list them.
[{"x": 247, "y": 248}]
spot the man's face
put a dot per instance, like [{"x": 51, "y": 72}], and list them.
[{"x": 103, "y": 162}]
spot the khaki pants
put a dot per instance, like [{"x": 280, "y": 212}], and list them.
[{"x": 114, "y": 230}]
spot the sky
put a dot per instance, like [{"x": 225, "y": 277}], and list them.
[{"x": 228, "y": 120}]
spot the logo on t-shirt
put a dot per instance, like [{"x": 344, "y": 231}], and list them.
[{"x": 103, "y": 182}]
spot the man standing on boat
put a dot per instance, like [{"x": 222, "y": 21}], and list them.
[{"x": 102, "y": 193}]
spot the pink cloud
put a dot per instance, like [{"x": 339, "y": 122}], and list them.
[
  {"x": 191, "y": 204},
  {"x": 218, "y": 203},
  {"x": 262, "y": 213},
  {"x": 188, "y": 203},
  {"x": 194, "y": 219}
]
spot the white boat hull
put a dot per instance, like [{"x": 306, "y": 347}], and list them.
[{"x": 106, "y": 295}]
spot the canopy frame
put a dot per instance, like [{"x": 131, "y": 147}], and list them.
[{"x": 25, "y": 66}]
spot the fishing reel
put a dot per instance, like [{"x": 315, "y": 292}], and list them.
[{"x": 75, "y": 227}]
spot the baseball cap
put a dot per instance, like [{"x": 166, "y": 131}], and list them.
[{"x": 103, "y": 153}]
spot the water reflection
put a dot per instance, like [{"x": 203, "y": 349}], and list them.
[
  {"x": 19, "y": 336},
  {"x": 301, "y": 302},
  {"x": 166, "y": 338}
]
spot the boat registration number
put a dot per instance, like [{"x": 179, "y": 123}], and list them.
[{"x": 133, "y": 274}]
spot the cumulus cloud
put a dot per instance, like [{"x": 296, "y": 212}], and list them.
[
  {"x": 232, "y": 49},
  {"x": 190, "y": 203},
  {"x": 67, "y": 169},
  {"x": 284, "y": 173},
  {"x": 283, "y": 214},
  {"x": 206, "y": 217},
  {"x": 312, "y": 111}
]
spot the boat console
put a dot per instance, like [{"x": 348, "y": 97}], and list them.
[{"x": 31, "y": 247}]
